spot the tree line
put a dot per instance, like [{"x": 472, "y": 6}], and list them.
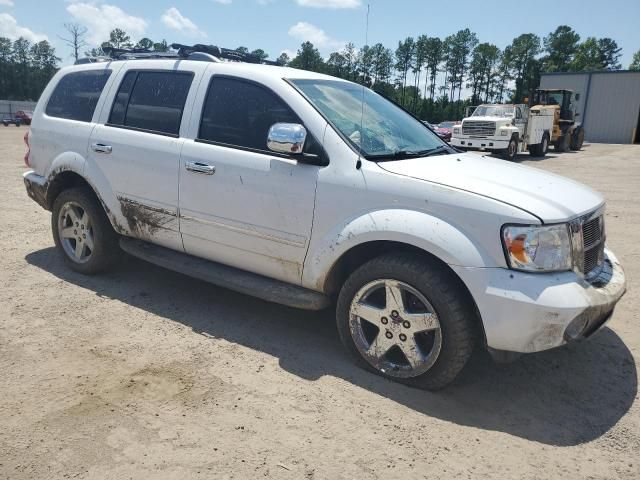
[
  {"x": 25, "y": 68},
  {"x": 426, "y": 75}
]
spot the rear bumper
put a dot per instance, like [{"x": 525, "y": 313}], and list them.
[
  {"x": 524, "y": 312},
  {"x": 36, "y": 186},
  {"x": 480, "y": 143}
]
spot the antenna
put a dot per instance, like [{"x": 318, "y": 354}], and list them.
[{"x": 366, "y": 42}]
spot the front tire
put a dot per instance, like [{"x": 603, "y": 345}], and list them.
[
  {"x": 82, "y": 232},
  {"x": 407, "y": 320},
  {"x": 562, "y": 144},
  {"x": 512, "y": 149}
]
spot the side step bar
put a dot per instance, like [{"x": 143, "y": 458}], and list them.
[{"x": 226, "y": 277}]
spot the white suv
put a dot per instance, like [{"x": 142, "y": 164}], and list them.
[{"x": 310, "y": 191}]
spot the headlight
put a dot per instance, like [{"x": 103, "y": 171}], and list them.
[
  {"x": 504, "y": 133},
  {"x": 538, "y": 248},
  {"x": 456, "y": 130}
]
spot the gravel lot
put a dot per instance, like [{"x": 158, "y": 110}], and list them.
[{"x": 146, "y": 373}]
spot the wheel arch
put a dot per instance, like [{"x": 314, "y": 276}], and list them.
[
  {"x": 359, "y": 254},
  {"x": 62, "y": 179}
]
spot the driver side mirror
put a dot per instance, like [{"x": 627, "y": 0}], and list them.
[
  {"x": 577, "y": 96},
  {"x": 287, "y": 138}
]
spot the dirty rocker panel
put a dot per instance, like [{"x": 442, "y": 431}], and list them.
[{"x": 227, "y": 277}]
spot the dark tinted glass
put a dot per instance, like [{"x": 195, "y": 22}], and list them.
[
  {"x": 241, "y": 113},
  {"x": 151, "y": 101},
  {"x": 76, "y": 95},
  {"x": 122, "y": 97}
]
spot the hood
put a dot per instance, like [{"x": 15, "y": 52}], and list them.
[{"x": 550, "y": 197}]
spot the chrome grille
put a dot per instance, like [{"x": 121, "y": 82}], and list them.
[
  {"x": 593, "y": 244},
  {"x": 478, "y": 128}
]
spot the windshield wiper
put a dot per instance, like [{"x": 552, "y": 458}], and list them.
[
  {"x": 435, "y": 151},
  {"x": 404, "y": 154}
]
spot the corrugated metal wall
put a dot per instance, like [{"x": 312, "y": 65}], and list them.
[{"x": 612, "y": 100}]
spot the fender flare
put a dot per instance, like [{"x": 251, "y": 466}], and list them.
[
  {"x": 418, "y": 229},
  {"x": 71, "y": 162}
]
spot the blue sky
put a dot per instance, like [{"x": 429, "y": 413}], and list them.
[{"x": 281, "y": 25}]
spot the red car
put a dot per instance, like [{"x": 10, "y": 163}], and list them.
[
  {"x": 444, "y": 130},
  {"x": 25, "y": 116}
]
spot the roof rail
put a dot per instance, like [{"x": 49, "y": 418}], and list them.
[
  {"x": 221, "y": 53},
  {"x": 85, "y": 60},
  {"x": 199, "y": 52}
]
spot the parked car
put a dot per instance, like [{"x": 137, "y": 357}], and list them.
[
  {"x": 25, "y": 116},
  {"x": 19, "y": 118},
  {"x": 444, "y": 130},
  {"x": 6, "y": 121},
  {"x": 268, "y": 180}
]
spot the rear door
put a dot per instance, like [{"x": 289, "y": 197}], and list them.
[
  {"x": 241, "y": 204},
  {"x": 136, "y": 151},
  {"x": 65, "y": 114}
]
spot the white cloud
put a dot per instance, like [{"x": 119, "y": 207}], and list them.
[
  {"x": 223, "y": 2},
  {"x": 290, "y": 53},
  {"x": 6, "y": 3},
  {"x": 100, "y": 19},
  {"x": 329, "y": 3},
  {"x": 306, "y": 32},
  {"x": 173, "y": 19},
  {"x": 10, "y": 29}
]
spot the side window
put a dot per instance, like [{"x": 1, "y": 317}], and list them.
[
  {"x": 151, "y": 101},
  {"x": 240, "y": 113},
  {"x": 76, "y": 95}
]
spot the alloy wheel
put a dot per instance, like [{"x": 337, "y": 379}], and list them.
[
  {"x": 75, "y": 231},
  {"x": 395, "y": 328}
]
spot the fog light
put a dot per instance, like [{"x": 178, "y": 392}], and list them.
[{"x": 576, "y": 328}]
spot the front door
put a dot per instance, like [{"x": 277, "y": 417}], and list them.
[
  {"x": 137, "y": 152},
  {"x": 241, "y": 204}
]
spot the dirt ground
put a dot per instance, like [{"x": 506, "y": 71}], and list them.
[{"x": 144, "y": 373}]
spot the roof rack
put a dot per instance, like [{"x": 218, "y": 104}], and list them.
[
  {"x": 200, "y": 52},
  {"x": 220, "y": 53}
]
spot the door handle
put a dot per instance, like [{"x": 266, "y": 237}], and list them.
[
  {"x": 198, "y": 167},
  {"x": 101, "y": 148}
]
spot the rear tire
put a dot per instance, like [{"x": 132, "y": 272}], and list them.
[
  {"x": 427, "y": 317},
  {"x": 577, "y": 139},
  {"x": 82, "y": 232},
  {"x": 540, "y": 149}
]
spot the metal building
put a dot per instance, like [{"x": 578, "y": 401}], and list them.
[{"x": 609, "y": 103}]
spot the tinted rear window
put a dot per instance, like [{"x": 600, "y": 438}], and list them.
[
  {"x": 151, "y": 101},
  {"x": 76, "y": 95}
]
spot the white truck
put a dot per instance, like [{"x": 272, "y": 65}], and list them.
[
  {"x": 277, "y": 183},
  {"x": 507, "y": 129}
]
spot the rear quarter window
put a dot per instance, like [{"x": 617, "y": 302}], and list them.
[{"x": 76, "y": 95}]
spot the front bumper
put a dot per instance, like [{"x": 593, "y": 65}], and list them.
[
  {"x": 36, "y": 186},
  {"x": 525, "y": 312},
  {"x": 480, "y": 143}
]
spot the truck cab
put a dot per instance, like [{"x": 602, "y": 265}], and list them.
[{"x": 505, "y": 128}]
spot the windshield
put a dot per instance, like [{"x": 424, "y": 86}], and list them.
[
  {"x": 494, "y": 111},
  {"x": 387, "y": 130}
]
